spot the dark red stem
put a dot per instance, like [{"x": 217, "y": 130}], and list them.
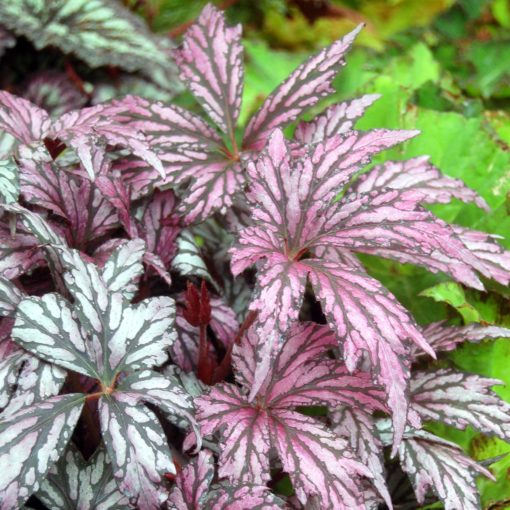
[
  {"x": 204, "y": 363},
  {"x": 224, "y": 367}
]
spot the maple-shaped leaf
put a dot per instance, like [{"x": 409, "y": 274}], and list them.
[
  {"x": 192, "y": 151},
  {"x": 420, "y": 175},
  {"x": 31, "y": 440},
  {"x": 100, "y": 32},
  {"x": 442, "y": 337},
  {"x": 359, "y": 428},
  {"x": 294, "y": 214},
  {"x": 100, "y": 334},
  {"x": 317, "y": 460},
  {"x": 9, "y": 181},
  {"x": 76, "y": 484},
  {"x": 460, "y": 399}
]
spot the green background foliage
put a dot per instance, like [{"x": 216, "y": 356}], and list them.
[{"x": 441, "y": 66}]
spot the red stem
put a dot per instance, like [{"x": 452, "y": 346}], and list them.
[
  {"x": 204, "y": 365},
  {"x": 224, "y": 367}
]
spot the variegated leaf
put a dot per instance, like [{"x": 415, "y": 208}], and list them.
[
  {"x": 100, "y": 32},
  {"x": 33, "y": 381},
  {"x": 88, "y": 131},
  {"x": 47, "y": 327},
  {"x": 358, "y": 427},
  {"x": 318, "y": 461},
  {"x": 87, "y": 213},
  {"x": 19, "y": 251},
  {"x": 10, "y": 296},
  {"x": 443, "y": 337},
  {"x": 162, "y": 391},
  {"x": 31, "y": 440},
  {"x": 494, "y": 259},
  {"x": 138, "y": 449},
  {"x": 210, "y": 62},
  {"x": 302, "y": 376},
  {"x": 160, "y": 225},
  {"x": 54, "y": 92},
  {"x": 391, "y": 223},
  {"x": 434, "y": 464},
  {"x": 254, "y": 497},
  {"x": 368, "y": 318},
  {"x": 121, "y": 336},
  {"x": 76, "y": 484},
  {"x": 192, "y": 483},
  {"x": 188, "y": 260},
  {"x": 460, "y": 399},
  {"x": 335, "y": 120},
  {"x": 9, "y": 181},
  {"x": 23, "y": 120},
  {"x": 420, "y": 175},
  {"x": 310, "y": 82},
  {"x": 168, "y": 126},
  {"x": 124, "y": 268}
]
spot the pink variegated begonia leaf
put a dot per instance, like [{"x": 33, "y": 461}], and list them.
[
  {"x": 420, "y": 175},
  {"x": 252, "y": 425},
  {"x": 443, "y": 337},
  {"x": 460, "y": 399},
  {"x": 335, "y": 120},
  {"x": 440, "y": 466},
  {"x": 22, "y": 119},
  {"x": 211, "y": 63},
  {"x": 192, "y": 483},
  {"x": 289, "y": 223},
  {"x": 359, "y": 428}
]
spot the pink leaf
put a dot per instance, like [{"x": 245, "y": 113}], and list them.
[
  {"x": 359, "y": 428},
  {"x": 317, "y": 460},
  {"x": 493, "y": 259},
  {"x": 338, "y": 119},
  {"x": 310, "y": 82},
  {"x": 442, "y": 337},
  {"x": 460, "y": 399},
  {"x": 420, "y": 175},
  {"x": 192, "y": 483},
  {"x": 22, "y": 119},
  {"x": 438, "y": 465},
  {"x": 210, "y": 62}
]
